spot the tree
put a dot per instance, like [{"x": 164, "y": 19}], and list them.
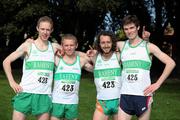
[{"x": 18, "y": 17}]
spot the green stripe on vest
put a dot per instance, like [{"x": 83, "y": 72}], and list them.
[
  {"x": 39, "y": 65},
  {"x": 67, "y": 76},
  {"x": 107, "y": 72},
  {"x": 137, "y": 64}
]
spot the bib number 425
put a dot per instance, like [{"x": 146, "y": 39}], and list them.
[{"x": 132, "y": 77}]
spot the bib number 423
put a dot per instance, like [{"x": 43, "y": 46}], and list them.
[
  {"x": 68, "y": 88},
  {"x": 108, "y": 84}
]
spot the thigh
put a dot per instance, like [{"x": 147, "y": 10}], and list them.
[
  {"x": 115, "y": 116},
  {"x": 123, "y": 115},
  {"x": 54, "y": 118},
  {"x": 146, "y": 115},
  {"x": 44, "y": 116},
  {"x": 18, "y": 115},
  {"x": 99, "y": 115}
]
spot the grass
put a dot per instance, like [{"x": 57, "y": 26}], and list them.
[{"x": 166, "y": 104}]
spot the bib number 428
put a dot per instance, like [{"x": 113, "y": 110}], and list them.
[{"x": 43, "y": 80}]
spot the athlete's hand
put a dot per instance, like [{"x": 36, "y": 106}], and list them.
[
  {"x": 16, "y": 87},
  {"x": 145, "y": 34},
  {"x": 60, "y": 52},
  {"x": 91, "y": 52},
  {"x": 58, "y": 49},
  {"x": 151, "y": 89}
]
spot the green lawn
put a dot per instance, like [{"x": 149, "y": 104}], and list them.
[{"x": 166, "y": 104}]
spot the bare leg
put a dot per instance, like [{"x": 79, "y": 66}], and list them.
[
  {"x": 99, "y": 115},
  {"x": 115, "y": 117},
  {"x": 123, "y": 116},
  {"x": 18, "y": 115},
  {"x": 44, "y": 116},
  {"x": 146, "y": 115},
  {"x": 55, "y": 118}
]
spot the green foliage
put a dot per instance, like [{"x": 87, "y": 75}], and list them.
[
  {"x": 98, "y": 5},
  {"x": 18, "y": 14},
  {"x": 120, "y": 34},
  {"x": 10, "y": 28},
  {"x": 31, "y": 10}
]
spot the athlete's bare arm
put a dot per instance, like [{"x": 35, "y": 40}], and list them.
[
  {"x": 169, "y": 66},
  {"x": 22, "y": 50},
  {"x": 85, "y": 62},
  {"x": 88, "y": 67},
  {"x": 57, "y": 49},
  {"x": 120, "y": 45}
]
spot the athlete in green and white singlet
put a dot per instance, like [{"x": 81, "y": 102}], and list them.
[
  {"x": 38, "y": 71},
  {"x": 107, "y": 74},
  {"x": 33, "y": 91},
  {"x": 65, "y": 95},
  {"x": 136, "y": 68},
  {"x": 66, "y": 82},
  {"x": 137, "y": 90}
]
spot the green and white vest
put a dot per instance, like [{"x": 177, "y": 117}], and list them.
[
  {"x": 38, "y": 71},
  {"x": 136, "y": 64},
  {"x": 66, "y": 82},
  {"x": 107, "y": 78}
]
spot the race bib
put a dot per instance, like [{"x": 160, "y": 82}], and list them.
[
  {"x": 43, "y": 77},
  {"x": 132, "y": 76},
  {"x": 43, "y": 80},
  {"x": 107, "y": 83},
  {"x": 67, "y": 87}
]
